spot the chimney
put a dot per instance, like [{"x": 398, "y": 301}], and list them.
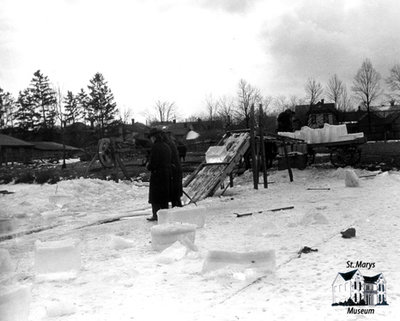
[
  {"x": 322, "y": 101},
  {"x": 133, "y": 121}
]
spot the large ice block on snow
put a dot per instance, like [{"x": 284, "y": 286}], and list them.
[
  {"x": 6, "y": 265},
  {"x": 188, "y": 214},
  {"x": 216, "y": 154},
  {"x": 351, "y": 178},
  {"x": 15, "y": 303},
  {"x": 57, "y": 256},
  {"x": 263, "y": 260},
  {"x": 7, "y": 225},
  {"x": 164, "y": 235}
]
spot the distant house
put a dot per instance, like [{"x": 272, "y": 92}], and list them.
[
  {"x": 315, "y": 116},
  {"x": 382, "y": 123},
  {"x": 360, "y": 289},
  {"x": 43, "y": 150},
  {"x": 135, "y": 132},
  {"x": 321, "y": 114},
  {"x": 14, "y": 150}
]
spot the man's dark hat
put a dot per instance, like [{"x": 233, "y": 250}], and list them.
[{"x": 154, "y": 131}]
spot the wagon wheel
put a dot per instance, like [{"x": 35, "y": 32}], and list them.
[
  {"x": 346, "y": 156},
  {"x": 105, "y": 153}
]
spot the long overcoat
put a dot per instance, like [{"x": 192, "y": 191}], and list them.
[
  {"x": 176, "y": 182},
  {"x": 160, "y": 178}
]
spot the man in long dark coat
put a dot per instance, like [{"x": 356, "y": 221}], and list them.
[
  {"x": 160, "y": 178},
  {"x": 176, "y": 190}
]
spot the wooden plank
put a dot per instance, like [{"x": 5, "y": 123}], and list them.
[
  {"x": 253, "y": 149},
  {"x": 263, "y": 156}
]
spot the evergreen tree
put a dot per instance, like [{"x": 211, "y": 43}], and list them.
[
  {"x": 8, "y": 107},
  {"x": 26, "y": 115},
  {"x": 3, "y": 107},
  {"x": 44, "y": 99},
  {"x": 71, "y": 108},
  {"x": 84, "y": 108},
  {"x": 101, "y": 102}
]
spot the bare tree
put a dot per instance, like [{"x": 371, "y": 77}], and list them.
[
  {"x": 394, "y": 82},
  {"x": 345, "y": 102},
  {"x": 60, "y": 114},
  {"x": 334, "y": 89},
  {"x": 165, "y": 110},
  {"x": 267, "y": 103},
  {"x": 247, "y": 95},
  {"x": 313, "y": 91},
  {"x": 126, "y": 115},
  {"x": 366, "y": 86},
  {"x": 281, "y": 103},
  {"x": 226, "y": 107},
  {"x": 212, "y": 106}
]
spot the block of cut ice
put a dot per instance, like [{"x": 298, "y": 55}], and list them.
[
  {"x": 327, "y": 133},
  {"x": 6, "y": 265},
  {"x": 262, "y": 260},
  {"x": 7, "y": 225},
  {"x": 216, "y": 154},
  {"x": 164, "y": 235},
  {"x": 286, "y": 134},
  {"x": 188, "y": 214},
  {"x": 60, "y": 200},
  {"x": 15, "y": 303},
  {"x": 57, "y": 256},
  {"x": 351, "y": 136},
  {"x": 351, "y": 178},
  {"x": 60, "y": 309},
  {"x": 120, "y": 243},
  {"x": 336, "y": 132},
  {"x": 175, "y": 252},
  {"x": 306, "y": 134}
]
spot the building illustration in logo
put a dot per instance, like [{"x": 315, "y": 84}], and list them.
[{"x": 353, "y": 288}]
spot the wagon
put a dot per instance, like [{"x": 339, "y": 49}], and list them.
[{"x": 342, "y": 153}]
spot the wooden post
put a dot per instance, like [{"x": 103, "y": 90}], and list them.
[
  {"x": 253, "y": 148},
  {"x": 263, "y": 158},
  {"x": 287, "y": 161}
]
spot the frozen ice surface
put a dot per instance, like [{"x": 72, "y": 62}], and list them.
[
  {"x": 15, "y": 303},
  {"x": 261, "y": 260},
  {"x": 351, "y": 178},
  {"x": 216, "y": 154},
  {"x": 6, "y": 265},
  {"x": 188, "y": 214},
  {"x": 163, "y": 236},
  {"x": 57, "y": 256}
]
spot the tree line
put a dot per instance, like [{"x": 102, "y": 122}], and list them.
[
  {"x": 365, "y": 90},
  {"x": 40, "y": 108}
]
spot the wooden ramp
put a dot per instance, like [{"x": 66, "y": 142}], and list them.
[{"x": 206, "y": 179}]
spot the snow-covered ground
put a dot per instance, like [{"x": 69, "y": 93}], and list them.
[{"x": 133, "y": 282}]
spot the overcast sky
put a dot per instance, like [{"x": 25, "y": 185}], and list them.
[{"x": 183, "y": 50}]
